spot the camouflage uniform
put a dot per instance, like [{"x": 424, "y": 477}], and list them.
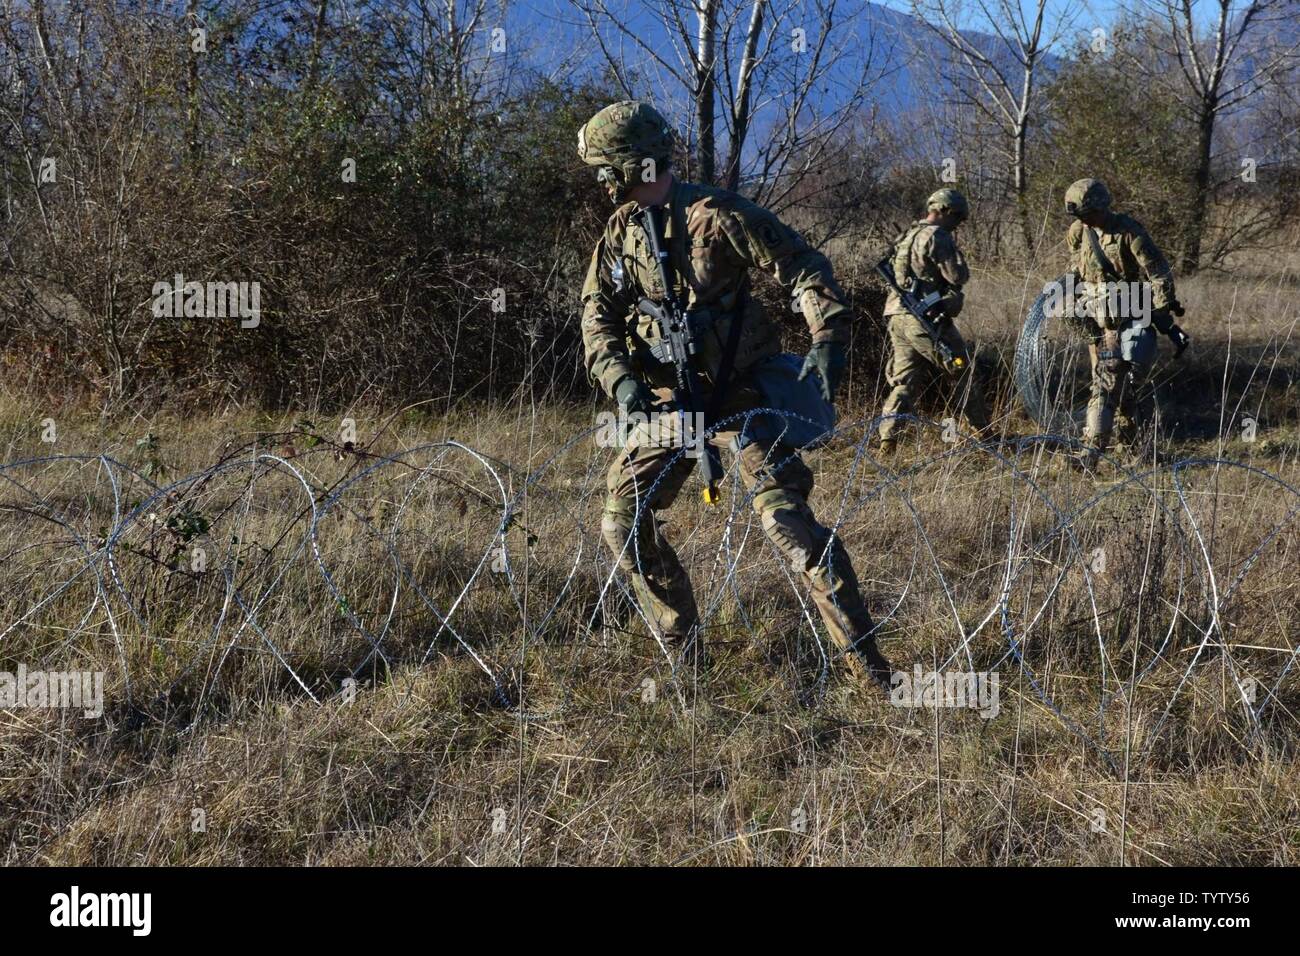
[
  {"x": 929, "y": 253},
  {"x": 1123, "y": 349},
  {"x": 713, "y": 238}
]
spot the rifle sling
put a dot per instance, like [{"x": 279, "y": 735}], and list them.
[
  {"x": 728, "y": 358},
  {"x": 1107, "y": 267}
]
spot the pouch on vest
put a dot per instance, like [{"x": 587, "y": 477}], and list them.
[
  {"x": 1137, "y": 344},
  {"x": 810, "y": 421}
]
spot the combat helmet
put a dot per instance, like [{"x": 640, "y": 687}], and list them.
[
  {"x": 950, "y": 201},
  {"x": 620, "y": 138},
  {"x": 1087, "y": 195}
]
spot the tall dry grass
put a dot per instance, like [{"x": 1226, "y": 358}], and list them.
[{"x": 1106, "y": 748}]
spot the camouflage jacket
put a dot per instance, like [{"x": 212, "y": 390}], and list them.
[
  {"x": 929, "y": 253},
  {"x": 713, "y": 238},
  {"x": 1132, "y": 254}
]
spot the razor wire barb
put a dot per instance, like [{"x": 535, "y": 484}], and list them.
[{"x": 127, "y": 570}]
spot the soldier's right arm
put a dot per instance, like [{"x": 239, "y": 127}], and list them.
[{"x": 605, "y": 309}]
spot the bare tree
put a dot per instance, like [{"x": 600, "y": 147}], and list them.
[
  {"x": 998, "y": 48},
  {"x": 785, "y": 77},
  {"x": 706, "y": 80},
  {"x": 741, "y": 101},
  {"x": 1216, "y": 78}
]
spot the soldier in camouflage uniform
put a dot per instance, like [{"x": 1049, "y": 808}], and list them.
[
  {"x": 927, "y": 253},
  {"x": 1109, "y": 250},
  {"x": 713, "y": 237}
]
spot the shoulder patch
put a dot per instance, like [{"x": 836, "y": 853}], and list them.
[{"x": 768, "y": 234}]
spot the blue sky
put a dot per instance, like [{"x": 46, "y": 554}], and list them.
[
  {"x": 557, "y": 33},
  {"x": 548, "y": 15},
  {"x": 557, "y": 38}
]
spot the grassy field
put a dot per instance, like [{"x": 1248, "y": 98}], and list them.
[{"x": 323, "y": 657}]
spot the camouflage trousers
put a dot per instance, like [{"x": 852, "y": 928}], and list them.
[
  {"x": 644, "y": 480},
  {"x": 1113, "y": 398},
  {"x": 914, "y": 358}
]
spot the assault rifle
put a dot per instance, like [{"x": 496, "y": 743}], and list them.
[
  {"x": 676, "y": 346},
  {"x": 920, "y": 308}
]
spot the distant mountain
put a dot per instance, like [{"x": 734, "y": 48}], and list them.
[{"x": 908, "y": 63}]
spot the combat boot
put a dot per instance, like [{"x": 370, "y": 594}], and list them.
[{"x": 866, "y": 663}]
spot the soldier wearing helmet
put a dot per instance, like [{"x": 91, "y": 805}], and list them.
[
  {"x": 927, "y": 258},
  {"x": 1126, "y": 288},
  {"x": 713, "y": 238}
]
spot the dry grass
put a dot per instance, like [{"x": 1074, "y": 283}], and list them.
[{"x": 423, "y": 764}]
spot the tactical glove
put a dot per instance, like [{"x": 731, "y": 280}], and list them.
[
  {"x": 827, "y": 358},
  {"x": 1180, "y": 339},
  {"x": 1163, "y": 318},
  {"x": 935, "y": 313},
  {"x": 633, "y": 395},
  {"x": 949, "y": 307}
]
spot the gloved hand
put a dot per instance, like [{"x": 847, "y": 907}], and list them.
[
  {"x": 827, "y": 358},
  {"x": 1180, "y": 339},
  {"x": 949, "y": 307},
  {"x": 634, "y": 396},
  {"x": 1163, "y": 318}
]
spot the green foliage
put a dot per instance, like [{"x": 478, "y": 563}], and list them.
[
  {"x": 465, "y": 182},
  {"x": 153, "y": 464},
  {"x": 1108, "y": 122},
  {"x": 188, "y": 524}
]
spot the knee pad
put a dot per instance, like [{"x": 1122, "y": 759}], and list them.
[
  {"x": 778, "y": 499},
  {"x": 789, "y": 523},
  {"x": 618, "y": 522}
]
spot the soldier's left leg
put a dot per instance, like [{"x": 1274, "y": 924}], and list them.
[
  {"x": 781, "y": 483},
  {"x": 1132, "y": 407},
  {"x": 1125, "y": 425}
]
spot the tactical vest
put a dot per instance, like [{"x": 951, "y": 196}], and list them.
[
  {"x": 1102, "y": 262},
  {"x": 759, "y": 338},
  {"x": 903, "y": 273},
  {"x": 902, "y": 265},
  {"x": 903, "y": 254}
]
